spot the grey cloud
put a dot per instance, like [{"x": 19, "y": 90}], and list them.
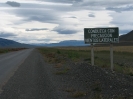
[
  {"x": 64, "y": 31},
  {"x": 101, "y": 4},
  {"x": 62, "y": 1},
  {"x": 36, "y": 29},
  {"x": 40, "y": 15},
  {"x": 57, "y": 7},
  {"x": 127, "y": 8},
  {"x": 45, "y": 40},
  {"x": 73, "y": 17},
  {"x": 6, "y": 34},
  {"x": 106, "y": 3},
  {"x": 91, "y": 15},
  {"x": 43, "y": 18},
  {"x": 13, "y": 4}
]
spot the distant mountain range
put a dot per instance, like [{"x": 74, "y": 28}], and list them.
[
  {"x": 64, "y": 43},
  {"x": 126, "y": 39},
  {"x": 4, "y": 43}
]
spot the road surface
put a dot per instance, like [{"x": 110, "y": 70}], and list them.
[
  {"x": 9, "y": 63},
  {"x": 32, "y": 77}
]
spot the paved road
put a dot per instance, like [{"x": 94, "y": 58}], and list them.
[{"x": 9, "y": 62}]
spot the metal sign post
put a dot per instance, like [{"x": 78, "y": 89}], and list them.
[
  {"x": 92, "y": 54},
  {"x": 111, "y": 56}
]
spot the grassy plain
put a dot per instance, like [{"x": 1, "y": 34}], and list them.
[{"x": 123, "y": 56}]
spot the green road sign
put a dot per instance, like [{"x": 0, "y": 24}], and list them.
[{"x": 101, "y": 35}]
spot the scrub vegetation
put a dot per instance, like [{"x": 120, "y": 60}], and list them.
[
  {"x": 5, "y": 50},
  {"x": 78, "y": 79},
  {"x": 123, "y": 56}
]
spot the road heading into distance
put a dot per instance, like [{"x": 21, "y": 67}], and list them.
[{"x": 9, "y": 63}]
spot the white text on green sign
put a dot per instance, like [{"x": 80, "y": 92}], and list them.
[{"x": 101, "y": 35}]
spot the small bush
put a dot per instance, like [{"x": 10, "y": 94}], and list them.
[
  {"x": 131, "y": 74},
  {"x": 58, "y": 52},
  {"x": 96, "y": 57},
  {"x": 87, "y": 59},
  {"x": 64, "y": 71},
  {"x": 73, "y": 55}
]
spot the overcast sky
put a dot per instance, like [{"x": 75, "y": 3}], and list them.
[{"x": 51, "y": 21}]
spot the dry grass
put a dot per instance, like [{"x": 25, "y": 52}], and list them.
[
  {"x": 58, "y": 65},
  {"x": 75, "y": 93},
  {"x": 5, "y": 50},
  {"x": 63, "y": 71},
  {"x": 124, "y": 49},
  {"x": 107, "y": 48},
  {"x": 122, "y": 57},
  {"x": 116, "y": 48}
]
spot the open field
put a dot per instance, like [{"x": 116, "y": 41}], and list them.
[
  {"x": 78, "y": 79},
  {"x": 107, "y": 48},
  {"x": 123, "y": 56}
]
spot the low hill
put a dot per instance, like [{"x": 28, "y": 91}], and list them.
[
  {"x": 127, "y": 37},
  {"x": 124, "y": 40},
  {"x": 5, "y": 43}
]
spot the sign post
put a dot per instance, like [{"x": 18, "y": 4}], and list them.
[
  {"x": 111, "y": 56},
  {"x": 100, "y": 36},
  {"x": 92, "y": 54}
]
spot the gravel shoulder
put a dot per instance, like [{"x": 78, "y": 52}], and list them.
[{"x": 36, "y": 79}]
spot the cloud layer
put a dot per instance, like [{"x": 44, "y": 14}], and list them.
[
  {"x": 36, "y": 29},
  {"x": 48, "y": 21},
  {"x": 6, "y": 34}
]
